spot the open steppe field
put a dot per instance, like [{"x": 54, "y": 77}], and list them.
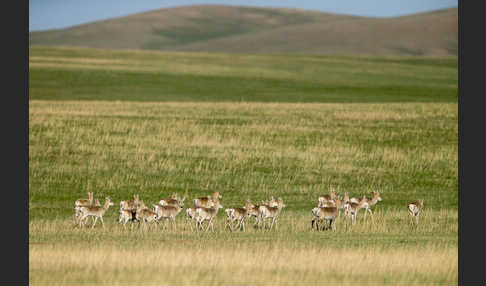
[{"x": 119, "y": 123}]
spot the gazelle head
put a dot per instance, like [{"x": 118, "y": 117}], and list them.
[
  {"x": 90, "y": 196},
  {"x": 217, "y": 196},
  {"x": 108, "y": 202},
  {"x": 249, "y": 205},
  {"x": 180, "y": 202},
  {"x": 376, "y": 195},
  {"x": 346, "y": 197},
  {"x": 421, "y": 202},
  {"x": 281, "y": 203},
  {"x": 272, "y": 202}
]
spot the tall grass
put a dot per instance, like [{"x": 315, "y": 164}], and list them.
[
  {"x": 245, "y": 150},
  {"x": 371, "y": 252}
]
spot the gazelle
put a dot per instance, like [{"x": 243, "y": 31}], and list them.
[
  {"x": 125, "y": 216},
  {"x": 271, "y": 202},
  {"x": 169, "y": 212},
  {"x": 172, "y": 201},
  {"x": 239, "y": 215},
  {"x": 253, "y": 212},
  {"x": 130, "y": 205},
  {"x": 96, "y": 211},
  {"x": 327, "y": 197},
  {"x": 208, "y": 214},
  {"x": 325, "y": 213},
  {"x": 145, "y": 215},
  {"x": 82, "y": 203},
  {"x": 207, "y": 202},
  {"x": 352, "y": 208},
  {"x": 266, "y": 212},
  {"x": 369, "y": 202},
  {"x": 414, "y": 209}
]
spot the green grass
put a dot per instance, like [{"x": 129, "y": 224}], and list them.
[
  {"x": 88, "y": 74},
  {"x": 120, "y": 123}
]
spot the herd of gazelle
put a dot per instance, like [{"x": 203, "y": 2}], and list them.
[{"x": 328, "y": 209}]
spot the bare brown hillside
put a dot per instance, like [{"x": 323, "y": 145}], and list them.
[{"x": 230, "y": 29}]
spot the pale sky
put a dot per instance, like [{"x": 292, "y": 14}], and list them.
[{"x": 56, "y": 14}]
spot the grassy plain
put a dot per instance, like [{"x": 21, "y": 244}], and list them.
[{"x": 124, "y": 122}]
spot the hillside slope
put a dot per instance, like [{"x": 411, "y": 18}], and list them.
[{"x": 230, "y": 29}]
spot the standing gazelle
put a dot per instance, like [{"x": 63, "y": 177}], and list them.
[
  {"x": 239, "y": 215},
  {"x": 266, "y": 212},
  {"x": 208, "y": 214},
  {"x": 325, "y": 213},
  {"x": 96, "y": 211},
  {"x": 145, "y": 215},
  {"x": 369, "y": 202},
  {"x": 169, "y": 212},
  {"x": 352, "y": 208},
  {"x": 327, "y": 197},
  {"x": 82, "y": 203},
  {"x": 414, "y": 209}
]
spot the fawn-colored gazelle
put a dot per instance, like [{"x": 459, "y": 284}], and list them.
[
  {"x": 145, "y": 215},
  {"x": 207, "y": 202},
  {"x": 326, "y": 197},
  {"x": 328, "y": 213},
  {"x": 240, "y": 215},
  {"x": 414, "y": 209},
  {"x": 172, "y": 201},
  {"x": 96, "y": 211},
  {"x": 352, "y": 208},
  {"x": 368, "y": 202},
  {"x": 169, "y": 212},
  {"x": 82, "y": 203},
  {"x": 266, "y": 212},
  {"x": 208, "y": 214}
]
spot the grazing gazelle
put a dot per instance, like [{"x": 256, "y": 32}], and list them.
[
  {"x": 206, "y": 202},
  {"x": 208, "y": 214},
  {"x": 145, "y": 215},
  {"x": 325, "y": 213},
  {"x": 169, "y": 212},
  {"x": 239, "y": 215},
  {"x": 327, "y": 197},
  {"x": 96, "y": 211},
  {"x": 414, "y": 209},
  {"x": 266, "y": 212},
  {"x": 352, "y": 208}
]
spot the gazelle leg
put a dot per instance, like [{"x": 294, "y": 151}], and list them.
[
  {"x": 94, "y": 222},
  {"x": 102, "y": 223}
]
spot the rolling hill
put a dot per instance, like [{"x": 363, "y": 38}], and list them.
[{"x": 233, "y": 29}]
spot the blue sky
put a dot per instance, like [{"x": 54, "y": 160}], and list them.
[{"x": 56, "y": 14}]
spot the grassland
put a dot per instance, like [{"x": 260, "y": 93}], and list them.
[{"x": 124, "y": 122}]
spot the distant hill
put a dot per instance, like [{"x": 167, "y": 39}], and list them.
[{"x": 232, "y": 29}]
